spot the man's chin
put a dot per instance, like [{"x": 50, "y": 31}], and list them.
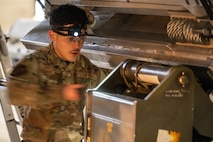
[{"x": 72, "y": 59}]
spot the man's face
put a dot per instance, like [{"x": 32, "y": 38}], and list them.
[{"x": 67, "y": 47}]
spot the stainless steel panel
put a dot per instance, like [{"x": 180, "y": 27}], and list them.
[
  {"x": 176, "y": 105},
  {"x": 133, "y": 6},
  {"x": 109, "y": 52},
  {"x": 112, "y": 121}
]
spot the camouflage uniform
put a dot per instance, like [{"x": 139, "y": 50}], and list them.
[{"x": 36, "y": 82}]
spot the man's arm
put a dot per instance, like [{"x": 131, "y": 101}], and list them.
[
  {"x": 28, "y": 86},
  {"x": 25, "y": 93}
]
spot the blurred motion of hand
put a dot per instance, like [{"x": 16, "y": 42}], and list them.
[{"x": 73, "y": 92}]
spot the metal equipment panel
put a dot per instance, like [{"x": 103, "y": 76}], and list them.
[
  {"x": 110, "y": 119},
  {"x": 173, "y": 105}
]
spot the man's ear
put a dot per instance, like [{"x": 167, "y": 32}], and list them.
[{"x": 52, "y": 35}]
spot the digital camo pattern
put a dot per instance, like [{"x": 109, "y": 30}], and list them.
[{"x": 36, "y": 82}]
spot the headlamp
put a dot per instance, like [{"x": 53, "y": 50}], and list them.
[{"x": 75, "y": 31}]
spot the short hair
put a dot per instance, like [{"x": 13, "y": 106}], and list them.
[{"x": 68, "y": 14}]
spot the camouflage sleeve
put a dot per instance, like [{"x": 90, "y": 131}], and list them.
[
  {"x": 24, "y": 88},
  {"x": 102, "y": 75},
  {"x": 24, "y": 93}
]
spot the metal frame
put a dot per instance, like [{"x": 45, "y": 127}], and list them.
[{"x": 5, "y": 66}]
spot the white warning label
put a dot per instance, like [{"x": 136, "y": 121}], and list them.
[{"x": 168, "y": 136}]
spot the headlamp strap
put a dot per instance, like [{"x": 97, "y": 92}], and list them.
[{"x": 71, "y": 30}]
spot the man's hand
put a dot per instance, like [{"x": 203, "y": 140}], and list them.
[{"x": 73, "y": 92}]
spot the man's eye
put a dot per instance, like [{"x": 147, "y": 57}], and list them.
[{"x": 71, "y": 38}]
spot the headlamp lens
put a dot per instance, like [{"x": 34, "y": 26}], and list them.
[
  {"x": 75, "y": 31},
  {"x": 76, "y": 34}
]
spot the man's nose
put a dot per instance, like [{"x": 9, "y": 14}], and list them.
[{"x": 76, "y": 43}]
